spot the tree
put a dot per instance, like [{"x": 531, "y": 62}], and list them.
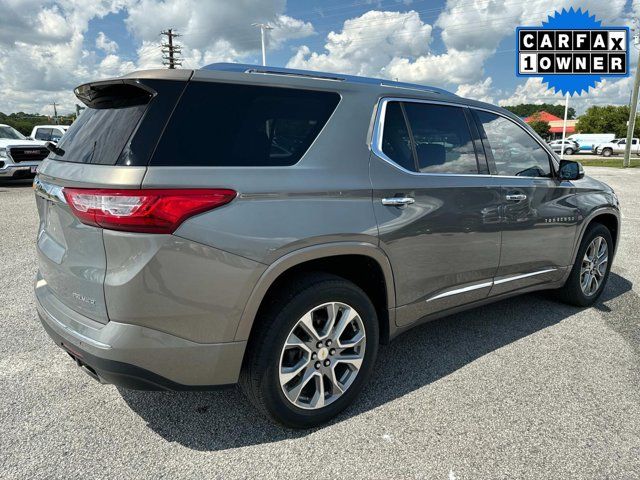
[
  {"x": 607, "y": 119},
  {"x": 24, "y": 122},
  {"x": 528, "y": 109},
  {"x": 541, "y": 128}
]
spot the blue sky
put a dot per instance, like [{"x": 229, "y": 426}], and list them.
[{"x": 466, "y": 46}]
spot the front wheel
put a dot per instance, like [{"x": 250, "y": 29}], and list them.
[
  {"x": 312, "y": 351},
  {"x": 568, "y": 151},
  {"x": 607, "y": 152},
  {"x": 590, "y": 271}
]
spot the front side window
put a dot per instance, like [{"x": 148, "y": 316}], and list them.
[{"x": 514, "y": 151}]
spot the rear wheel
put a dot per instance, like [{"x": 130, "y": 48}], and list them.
[
  {"x": 591, "y": 268},
  {"x": 312, "y": 351}
]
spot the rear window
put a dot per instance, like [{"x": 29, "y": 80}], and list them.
[
  {"x": 104, "y": 127},
  {"x": 122, "y": 122},
  {"x": 219, "y": 124}
]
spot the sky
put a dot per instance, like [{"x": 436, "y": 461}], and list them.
[{"x": 466, "y": 46}]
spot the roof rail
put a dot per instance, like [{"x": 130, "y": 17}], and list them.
[
  {"x": 417, "y": 88},
  {"x": 293, "y": 73}
]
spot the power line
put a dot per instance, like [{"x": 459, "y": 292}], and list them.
[{"x": 170, "y": 50}]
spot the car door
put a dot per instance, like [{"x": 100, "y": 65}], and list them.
[
  {"x": 435, "y": 205},
  {"x": 538, "y": 216}
]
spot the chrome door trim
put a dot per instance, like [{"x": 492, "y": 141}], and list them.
[
  {"x": 49, "y": 191},
  {"x": 488, "y": 283},
  {"x": 457, "y": 291},
  {"x": 513, "y": 278}
]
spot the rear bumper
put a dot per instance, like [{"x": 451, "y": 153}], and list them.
[{"x": 137, "y": 357}]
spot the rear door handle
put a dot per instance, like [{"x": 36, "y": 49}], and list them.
[
  {"x": 516, "y": 197},
  {"x": 398, "y": 201}
]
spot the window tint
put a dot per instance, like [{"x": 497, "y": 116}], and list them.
[
  {"x": 442, "y": 138},
  {"x": 43, "y": 134},
  {"x": 514, "y": 151},
  {"x": 99, "y": 135},
  {"x": 396, "y": 143},
  {"x": 219, "y": 124}
]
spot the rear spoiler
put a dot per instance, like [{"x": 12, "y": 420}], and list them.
[{"x": 125, "y": 91}]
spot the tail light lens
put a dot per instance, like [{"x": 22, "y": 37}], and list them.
[{"x": 147, "y": 211}]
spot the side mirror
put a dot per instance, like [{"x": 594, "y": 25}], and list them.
[{"x": 570, "y": 170}]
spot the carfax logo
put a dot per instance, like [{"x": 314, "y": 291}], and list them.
[{"x": 572, "y": 51}]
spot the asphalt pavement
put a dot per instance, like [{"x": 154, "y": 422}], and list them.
[{"x": 524, "y": 388}]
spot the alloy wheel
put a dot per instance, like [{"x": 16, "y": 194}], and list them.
[
  {"x": 594, "y": 266},
  {"x": 322, "y": 355}
]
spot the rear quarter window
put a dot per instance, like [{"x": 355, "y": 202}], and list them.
[{"x": 217, "y": 124}]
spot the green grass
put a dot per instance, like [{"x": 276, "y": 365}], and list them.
[{"x": 615, "y": 162}]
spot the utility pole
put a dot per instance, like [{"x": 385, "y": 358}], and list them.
[
  {"x": 171, "y": 51},
  {"x": 55, "y": 112},
  {"x": 633, "y": 107},
  {"x": 263, "y": 27}
]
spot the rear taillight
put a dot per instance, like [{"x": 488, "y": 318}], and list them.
[{"x": 147, "y": 211}]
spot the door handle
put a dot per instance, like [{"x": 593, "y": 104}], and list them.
[
  {"x": 516, "y": 197},
  {"x": 398, "y": 201}
]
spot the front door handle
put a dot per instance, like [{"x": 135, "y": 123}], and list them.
[
  {"x": 398, "y": 201},
  {"x": 516, "y": 197}
]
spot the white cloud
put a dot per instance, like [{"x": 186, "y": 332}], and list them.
[
  {"x": 481, "y": 91},
  {"x": 288, "y": 28},
  {"x": 483, "y": 24},
  {"x": 368, "y": 43},
  {"x": 607, "y": 92},
  {"x": 44, "y": 51},
  {"x": 105, "y": 44}
]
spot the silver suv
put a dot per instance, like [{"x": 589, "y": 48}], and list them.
[{"x": 271, "y": 227}]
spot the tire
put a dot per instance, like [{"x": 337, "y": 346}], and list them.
[
  {"x": 568, "y": 151},
  {"x": 607, "y": 152},
  {"x": 573, "y": 291},
  {"x": 268, "y": 363}
]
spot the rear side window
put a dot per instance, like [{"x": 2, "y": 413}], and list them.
[
  {"x": 442, "y": 138},
  {"x": 43, "y": 134},
  {"x": 396, "y": 142},
  {"x": 436, "y": 138},
  {"x": 218, "y": 124}
]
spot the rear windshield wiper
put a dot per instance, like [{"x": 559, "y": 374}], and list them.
[{"x": 53, "y": 148}]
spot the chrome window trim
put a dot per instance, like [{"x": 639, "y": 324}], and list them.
[
  {"x": 489, "y": 283},
  {"x": 378, "y": 131}
]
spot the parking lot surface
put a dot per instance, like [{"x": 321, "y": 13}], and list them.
[{"x": 525, "y": 388}]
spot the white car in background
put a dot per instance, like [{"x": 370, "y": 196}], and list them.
[
  {"x": 48, "y": 133},
  {"x": 19, "y": 156},
  {"x": 616, "y": 146}
]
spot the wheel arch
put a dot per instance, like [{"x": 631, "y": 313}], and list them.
[
  {"x": 607, "y": 216},
  {"x": 332, "y": 258}
]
